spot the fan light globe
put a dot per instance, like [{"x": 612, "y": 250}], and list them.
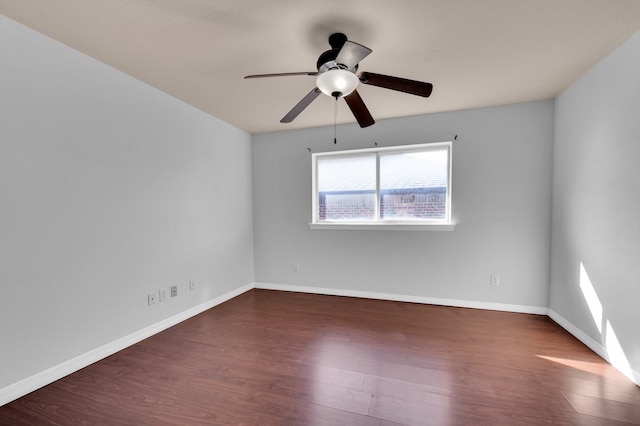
[{"x": 337, "y": 82}]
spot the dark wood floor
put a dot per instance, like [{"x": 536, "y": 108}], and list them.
[{"x": 279, "y": 358}]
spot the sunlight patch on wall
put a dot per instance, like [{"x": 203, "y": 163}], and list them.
[
  {"x": 591, "y": 297},
  {"x": 615, "y": 353}
]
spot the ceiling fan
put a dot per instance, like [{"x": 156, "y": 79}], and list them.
[{"x": 336, "y": 77}]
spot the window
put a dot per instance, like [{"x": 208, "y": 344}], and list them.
[{"x": 396, "y": 186}]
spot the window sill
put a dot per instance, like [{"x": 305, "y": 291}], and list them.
[{"x": 385, "y": 226}]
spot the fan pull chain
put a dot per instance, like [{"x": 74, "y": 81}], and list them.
[{"x": 335, "y": 121}]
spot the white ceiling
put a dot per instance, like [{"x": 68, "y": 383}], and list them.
[{"x": 475, "y": 52}]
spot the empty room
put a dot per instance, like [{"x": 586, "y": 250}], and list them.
[{"x": 286, "y": 212}]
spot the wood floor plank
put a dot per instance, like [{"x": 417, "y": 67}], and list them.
[
  {"x": 607, "y": 389},
  {"x": 281, "y": 358},
  {"x": 604, "y": 408}
]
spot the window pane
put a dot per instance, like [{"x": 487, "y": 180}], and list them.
[
  {"x": 347, "y": 187},
  {"x": 413, "y": 185}
]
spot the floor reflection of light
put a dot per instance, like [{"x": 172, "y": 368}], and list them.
[
  {"x": 335, "y": 383},
  {"x": 362, "y": 377},
  {"x": 591, "y": 297}
]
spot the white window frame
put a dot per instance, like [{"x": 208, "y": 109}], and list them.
[{"x": 445, "y": 224}]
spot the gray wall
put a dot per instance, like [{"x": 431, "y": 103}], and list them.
[
  {"x": 596, "y": 205},
  {"x": 501, "y": 204},
  {"x": 109, "y": 190}
]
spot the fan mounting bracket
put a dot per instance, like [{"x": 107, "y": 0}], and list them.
[
  {"x": 337, "y": 40},
  {"x": 326, "y": 61}
]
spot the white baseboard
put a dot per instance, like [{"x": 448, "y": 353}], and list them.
[
  {"x": 25, "y": 386},
  {"x": 594, "y": 345},
  {"x": 578, "y": 334},
  {"x": 539, "y": 310}
]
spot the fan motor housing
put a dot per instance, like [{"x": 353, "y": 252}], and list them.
[{"x": 326, "y": 61}]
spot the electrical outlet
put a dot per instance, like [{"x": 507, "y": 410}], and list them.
[
  {"x": 162, "y": 295},
  {"x": 192, "y": 285},
  {"x": 151, "y": 298},
  {"x": 294, "y": 267},
  {"x": 174, "y": 290},
  {"x": 495, "y": 280}
]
